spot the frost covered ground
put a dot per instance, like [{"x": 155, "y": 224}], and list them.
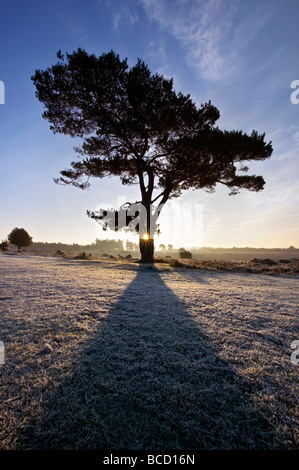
[{"x": 116, "y": 355}]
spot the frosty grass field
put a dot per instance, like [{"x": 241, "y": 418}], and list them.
[{"x": 116, "y": 355}]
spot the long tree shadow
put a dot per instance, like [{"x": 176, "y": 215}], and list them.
[{"x": 149, "y": 379}]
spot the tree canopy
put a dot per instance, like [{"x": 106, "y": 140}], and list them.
[
  {"x": 134, "y": 125},
  {"x": 20, "y": 238}
]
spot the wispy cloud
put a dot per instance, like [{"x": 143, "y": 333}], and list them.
[
  {"x": 122, "y": 13},
  {"x": 213, "y": 33}
]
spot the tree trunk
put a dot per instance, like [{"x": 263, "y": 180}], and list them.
[{"x": 147, "y": 250}]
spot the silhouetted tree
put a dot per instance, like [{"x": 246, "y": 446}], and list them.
[
  {"x": 20, "y": 238},
  {"x": 137, "y": 127},
  {"x": 4, "y": 245}
]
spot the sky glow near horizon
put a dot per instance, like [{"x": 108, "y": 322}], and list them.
[{"x": 240, "y": 54}]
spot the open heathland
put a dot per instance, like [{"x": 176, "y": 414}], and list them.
[{"x": 113, "y": 354}]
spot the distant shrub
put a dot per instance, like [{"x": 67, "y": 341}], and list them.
[
  {"x": 4, "y": 245},
  {"x": 20, "y": 238},
  {"x": 184, "y": 254},
  {"x": 83, "y": 255},
  {"x": 267, "y": 261}
]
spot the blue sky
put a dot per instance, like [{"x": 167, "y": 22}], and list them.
[{"x": 240, "y": 54}]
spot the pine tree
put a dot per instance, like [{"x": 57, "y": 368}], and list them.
[{"x": 134, "y": 125}]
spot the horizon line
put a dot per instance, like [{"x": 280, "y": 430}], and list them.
[{"x": 291, "y": 247}]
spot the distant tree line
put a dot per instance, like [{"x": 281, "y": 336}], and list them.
[
  {"x": 97, "y": 246},
  {"x": 21, "y": 238}
]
